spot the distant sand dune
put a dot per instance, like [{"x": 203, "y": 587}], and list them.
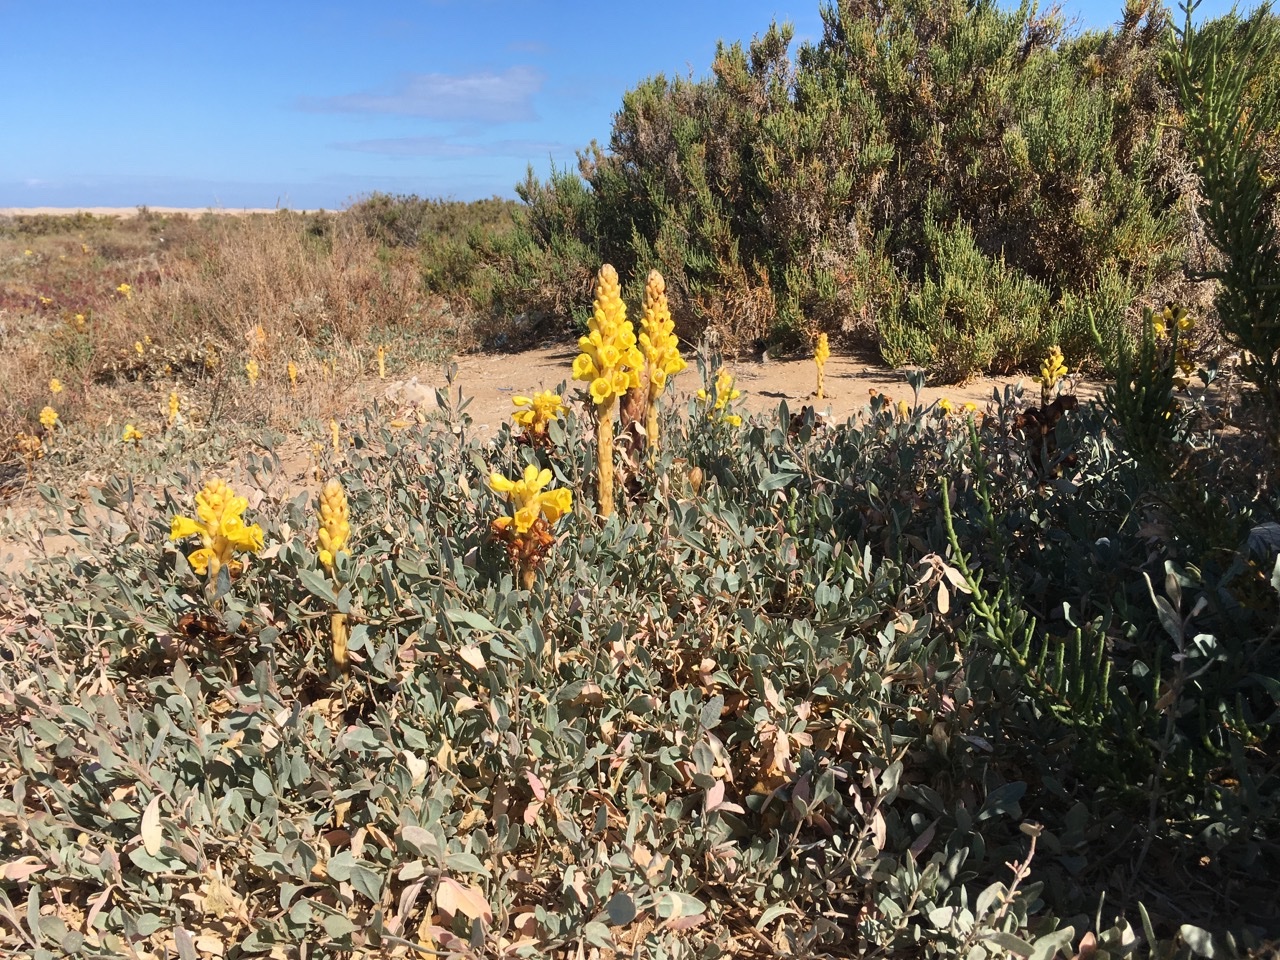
[{"x": 125, "y": 212}]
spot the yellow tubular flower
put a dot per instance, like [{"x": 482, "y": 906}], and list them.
[
  {"x": 1052, "y": 369},
  {"x": 726, "y": 393},
  {"x": 293, "y": 375},
  {"x": 660, "y": 347},
  {"x": 534, "y": 413},
  {"x": 252, "y": 370},
  {"x": 335, "y": 527},
  {"x": 174, "y": 404},
  {"x": 658, "y": 342},
  {"x": 610, "y": 360},
  {"x": 220, "y": 526},
  {"x": 529, "y": 499},
  {"x": 821, "y": 353},
  {"x": 48, "y": 418}
]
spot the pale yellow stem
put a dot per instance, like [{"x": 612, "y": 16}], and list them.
[{"x": 604, "y": 451}]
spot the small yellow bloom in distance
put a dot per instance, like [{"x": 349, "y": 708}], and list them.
[
  {"x": 131, "y": 434},
  {"x": 946, "y": 407},
  {"x": 174, "y": 405},
  {"x": 293, "y": 375},
  {"x": 822, "y": 352},
  {"x": 1052, "y": 369},
  {"x": 48, "y": 418},
  {"x": 55, "y": 386},
  {"x": 137, "y": 347},
  {"x": 252, "y": 371},
  {"x": 125, "y": 290},
  {"x": 336, "y": 436},
  {"x": 382, "y": 362}
]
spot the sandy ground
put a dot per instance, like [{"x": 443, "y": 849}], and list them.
[
  {"x": 491, "y": 380},
  {"x": 126, "y": 212}
]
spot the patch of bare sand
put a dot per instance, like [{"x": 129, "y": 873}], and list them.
[{"x": 489, "y": 380}]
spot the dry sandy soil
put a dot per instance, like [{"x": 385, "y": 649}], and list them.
[{"x": 491, "y": 380}]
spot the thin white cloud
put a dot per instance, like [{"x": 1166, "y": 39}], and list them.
[
  {"x": 481, "y": 97},
  {"x": 445, "y": 148}
]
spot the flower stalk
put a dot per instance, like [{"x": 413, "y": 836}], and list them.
[
  {"x": 610, "y": 362},
  {"x": 661, "y": 350},
  {"x": 335, "y": 531},
  {"x": 821, "y": 353}
]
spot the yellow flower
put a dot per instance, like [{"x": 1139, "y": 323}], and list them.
[
  {"x": 131, "y": 434},
  {"x": 49, "y": 418},
  {"x": 610, "y": 361},
  {"x": 1052, "y": 369},
  {"x": 537, "y": 412},
  {"x": 822, "y": 352},
  {"x": 45, "y": 301},
  {"x": 174, "y": 404},
  {"x": 658, "y": 342},
  {"x": 252, "y": 370},
  {"x": 125, "y": 291},
  {"x": 946, "y": 407},
  {"x": 335, "y": 526},
  {"x": 335, "y": 436},
  {"x": 529, "y": 499},
  {"x": 293, "y": 375},
  {"x": 726, "y": 393},
  {"x": 382, "y": 362},
  {"x": 904, "y": 411},
  {"x": 220, "y": 526},
  {"x": 79, "y": 318},
  {"x": 137, "y": 347},
  {"x": 55, "y": 385},
  {"x": 26, "y": 253}
]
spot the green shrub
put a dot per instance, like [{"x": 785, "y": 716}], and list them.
[{"x": 766, "y": 701}]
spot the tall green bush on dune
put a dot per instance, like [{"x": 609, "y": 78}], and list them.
[{"x": 783, "y": 194}]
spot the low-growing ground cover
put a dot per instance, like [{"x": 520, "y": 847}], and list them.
[{"x": 915, "y": 683}]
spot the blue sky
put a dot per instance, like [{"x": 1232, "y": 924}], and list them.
[{"x": 309, "y": 104}]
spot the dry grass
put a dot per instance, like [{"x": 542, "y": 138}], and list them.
[{"x": 205, "y": 296}]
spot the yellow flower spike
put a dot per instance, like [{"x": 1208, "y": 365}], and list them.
[
  {"x": 821, "y": 353},
  {"x": 137, "y": 347},
  {"x": 293, "y": 375},
  {"x": 174, "y": 405},
  {"x": 533, "y": 511},
  {"x": 131, "y": 434},
  {"x": 125, "y": 290},
  {"x": 79, "y": 319},
  {"x": 219, "y": 524},
  {"x": 904, "y": 411},
  {"x": 335, "y": 526},
  {"x": 382, "y": 362},
  {"x": 26, "y": 253},
  {"x": 55, "y": 386},
  {"x": 611, "y": 362},
  {"x": 726, "y": 393},
  {"x": 660, "y": 348},
  {"x": 336, "y": 436},
  {"x": 533, "y": 414},
  {"x": 1052, "y": 369},
  {"x": 48, "y": 418},
  {"x": 252, "y": 371}
]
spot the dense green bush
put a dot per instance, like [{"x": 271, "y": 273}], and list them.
[
  {"x": 829, "y": 693},
  {"x": 927, "y": 175}
]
